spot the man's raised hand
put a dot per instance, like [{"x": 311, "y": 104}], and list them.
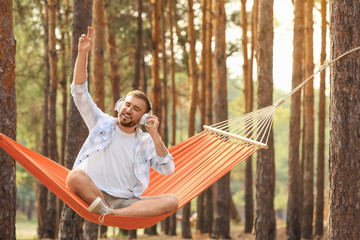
[{"x": 85, "y": 41}]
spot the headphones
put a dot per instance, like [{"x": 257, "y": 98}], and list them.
[{"x": 120, "y": 102}]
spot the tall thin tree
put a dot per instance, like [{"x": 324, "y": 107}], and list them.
[
  {"x": 113, "y": 53},
  {"x": 8, "y": 120},
  {"x": 51, "y": 210},
  {"x": 71, "y": 223},
  {"x": 208, "y": 201},
  {"x": 164, "y": 128},
  {"x": 139, "y": 56},
  {"x": 193, "y": 81},
  {"x": 41, "y": 190},
  {"x": 344, "y": 165},
  {"x": 249, "y": 98},
  {"x": 200, "y": 199},
  {"x": 308, "y": 103},
  {"x": 155, "y": 35},
  {"x": 221, "y": 225},
  {"x": 172, "y": 218},
  {"x": 91, "y": 230},
  {"x": 294, "y": 187},
  {"x": 319, "y": 216},
  {"x": 265, "y": 225}
]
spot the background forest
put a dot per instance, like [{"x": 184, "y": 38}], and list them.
[{"x": 170, "y": 50}]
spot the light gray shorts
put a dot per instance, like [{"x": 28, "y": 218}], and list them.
[{"x": 118, "y": 202}]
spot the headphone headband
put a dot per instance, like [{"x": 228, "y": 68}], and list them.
[{"x": 119, "y": 103}]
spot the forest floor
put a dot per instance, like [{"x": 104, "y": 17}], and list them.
[{"x": 26, "y": 229}]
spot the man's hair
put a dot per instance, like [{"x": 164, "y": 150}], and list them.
[{"x": 143, "y": 96}]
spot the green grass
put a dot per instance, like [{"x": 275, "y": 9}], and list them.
[{"x": 25, "y": 229}]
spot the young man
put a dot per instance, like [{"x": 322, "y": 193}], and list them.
[{"x": 111, "y": 170}]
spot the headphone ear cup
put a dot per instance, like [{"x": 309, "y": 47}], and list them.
[
  {"x": 143, "y": 119},
  {"x": 119, "y": 104}
]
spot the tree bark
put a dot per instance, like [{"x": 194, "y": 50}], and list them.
[
  {"x": 208, "y": 200},
  {"x": 249, "y": 98},
  {"x": 201, "y": 198},
  {"x": 139, "y": 57},
  {"x": 42, "y": 191},
  {"x": 209, "y": 65},
  {"x": 164, "y": 125},
  {"x": 344, "y": 165},
  {"x": 172, "y": 74},
  {"x": 98, "y": 53},
  {"x": 319, "y": 216},
  {"x": 221, "y": 225},
  {"x": 51, "y": 210},
  {"x": 91, "y": 230},
  {"x": 193, "y": 81},
  {"x": 113, "y": 55},
  {"x": 8, "y": 120},
  {"x": 155, "y": 35},
  {"x": 71, "y": 223},
  {"x": 308, "y": 174},
  {"x": 293, "y": 229},
  {"x": 265, "y": 225}
]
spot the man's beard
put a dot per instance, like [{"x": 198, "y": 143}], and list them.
[{"x": 131, "y": 123}]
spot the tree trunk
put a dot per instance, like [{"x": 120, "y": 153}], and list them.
[
  {"x": 91, "y": 229},
  {"x": 208, "y": 200},
  {"x": 193, "y": 81},
  {"x": 344, "y": 167},
  {"x": 42, "y": 191},
  {"x": 172, "y": 74},
  {"x": 71, "y": 223},
  {"x": 185, "y": 221},
  {"x": 98, "y": 53},
  {"x": 139, "y": 57},
  {"x": 319, "y": 217},
  {"x": 51, "y": 210},
  {"x": 64, "y": 74},
  {"x": 293, "y": 229},
  {"x": 265, "y": 225},
  {"x": 221, "y": 225},
  {"x": 8, "y": 120},
  {"x": 248, "y": 94},
  {"x": 201, "y": 198},
  {"x": 155, "y": 35},
  {"x": 308, "y": 174},
  {"x": 164, "y": 125},
  {"x": 209, "y": 66},
  {"x": 113, "y": 56}
]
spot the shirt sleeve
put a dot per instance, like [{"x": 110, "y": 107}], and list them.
[
  {"x": 84, "y": 103},
  {"x": 163, "y": 165}
]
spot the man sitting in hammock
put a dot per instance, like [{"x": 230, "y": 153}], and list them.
[{"x": 112, "y": 168}]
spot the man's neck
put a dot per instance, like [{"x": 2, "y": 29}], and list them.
[{"x": 126, "y": 129}]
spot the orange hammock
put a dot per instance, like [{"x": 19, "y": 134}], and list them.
[{"x": 200, "y": 161}]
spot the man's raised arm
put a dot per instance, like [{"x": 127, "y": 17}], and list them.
[{"x": 84, "y": 47}]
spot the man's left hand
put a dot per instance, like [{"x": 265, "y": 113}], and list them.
[{"x": 152, "y": 124}]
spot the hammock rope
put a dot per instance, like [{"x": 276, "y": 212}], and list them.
[
  {"x": 200, "y": 161},
  {"x": 254, "y": 127}
]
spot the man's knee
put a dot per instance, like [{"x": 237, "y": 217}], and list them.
[
  {"x": 171, "y": 201},
  {"x": 75, "y": 178}
]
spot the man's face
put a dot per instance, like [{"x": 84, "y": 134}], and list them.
[{"x": 131, "y": 112}]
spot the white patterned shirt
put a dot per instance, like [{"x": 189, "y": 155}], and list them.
[{"x": 102, "y": 128}]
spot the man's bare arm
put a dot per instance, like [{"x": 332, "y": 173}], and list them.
[
  {"x": 152, "y": 128},
  {"x": 84, "y": 47}
]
